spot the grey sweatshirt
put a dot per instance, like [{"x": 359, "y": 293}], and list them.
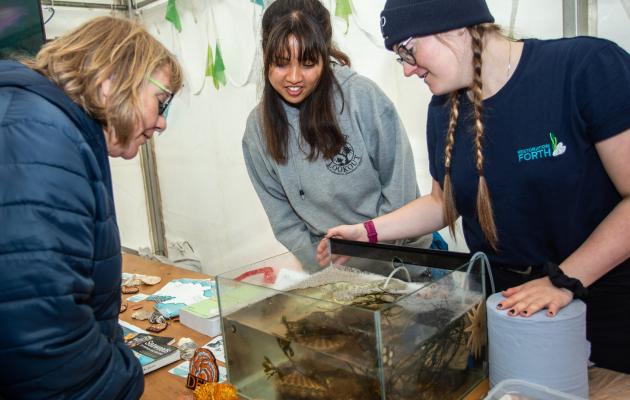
[{"x": 372, "y": 175}]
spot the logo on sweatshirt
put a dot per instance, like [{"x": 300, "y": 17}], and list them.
[
  {"x": 553, "y": 149},
  {"x": 344, "y": 162}
]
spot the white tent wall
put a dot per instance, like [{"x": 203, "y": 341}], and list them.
[
  {"x": 611, "y": 19},
  {"x": 131, "y": 203},
  {"x": 207, "y": 197}
]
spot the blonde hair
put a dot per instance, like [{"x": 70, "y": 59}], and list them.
[
  {"x": 485, "y": 214},
  {"x": 107, "y": 48}
]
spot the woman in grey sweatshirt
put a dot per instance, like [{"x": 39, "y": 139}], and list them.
[{"x": 325, "y": 145}]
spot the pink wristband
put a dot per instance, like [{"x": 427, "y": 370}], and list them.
[{"x": 371, "y": 231}]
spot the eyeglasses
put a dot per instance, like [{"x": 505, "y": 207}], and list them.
[
  {"x": 405, "y": 55},
  {"x": 162, "y": 105}
]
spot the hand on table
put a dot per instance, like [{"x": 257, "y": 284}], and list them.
[{"x": 533, "y": 296}]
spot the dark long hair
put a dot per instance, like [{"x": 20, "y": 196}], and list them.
[{"x": 308, "y": 21}]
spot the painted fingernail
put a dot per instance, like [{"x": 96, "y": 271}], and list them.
[
  {"x": 512, "y": 312},
  {"x": 525, "y": 312},
  {"x": 550, "y": 313},
  {"x": 499, "y": 306}
]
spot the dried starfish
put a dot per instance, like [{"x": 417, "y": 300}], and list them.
[{"x": 478, "y": 336}]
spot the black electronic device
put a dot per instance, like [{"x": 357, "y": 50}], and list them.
[{"x": 21, "y": 28}]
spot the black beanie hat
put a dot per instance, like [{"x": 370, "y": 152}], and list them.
[{"x": 402, "y": 19}]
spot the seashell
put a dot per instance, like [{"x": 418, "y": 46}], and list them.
[
  {"x": 156, "y": 318},
  {"x": 137, "y": 307},
  {"x": 123, "y": 307},
  {"x": 132, "y": 282},
  {"x": 186, "y": 348},
  {"x": 141, "y": 315},
  {"x": 130, "y": 289},
  {"x": 150, "y": 280},
  {"x": 157, "y": 327}
]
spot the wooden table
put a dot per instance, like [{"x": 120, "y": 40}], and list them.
[{"x": 161, "y": 384}]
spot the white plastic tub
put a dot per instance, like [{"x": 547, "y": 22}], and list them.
[{"x": 514, "y": 389}]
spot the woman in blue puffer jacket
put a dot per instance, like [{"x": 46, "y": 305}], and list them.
[{"x": 103, "y": 89}]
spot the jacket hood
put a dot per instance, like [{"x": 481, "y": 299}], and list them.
[
  {"x": 15, "y": 74},
  {"x": 342, "y": 73}
]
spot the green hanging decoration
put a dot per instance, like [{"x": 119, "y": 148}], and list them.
[
  {"x": 259, "y": 2},
  {"x": 343, "y": 11},
  {"x": 210, "y": 63},
  {"x": 172, "y": 15},
  {"x": 218, "y": 71}
]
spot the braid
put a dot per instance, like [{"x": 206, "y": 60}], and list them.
[
  {"x": 450, "y": 212},
  {"x": 484, "y": 202}
]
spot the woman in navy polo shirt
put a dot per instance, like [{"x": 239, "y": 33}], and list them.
[{"x": 528, "y": 142}]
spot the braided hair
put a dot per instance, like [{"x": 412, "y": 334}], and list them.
[{"x": 485, "y": 214}]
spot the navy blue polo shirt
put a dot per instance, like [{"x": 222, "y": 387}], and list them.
[{"x": 548, "y": 185}]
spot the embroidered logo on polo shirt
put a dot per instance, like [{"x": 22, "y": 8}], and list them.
[
  {"x": 553, "y": 149},
  {"x": 346, "y": 161}
]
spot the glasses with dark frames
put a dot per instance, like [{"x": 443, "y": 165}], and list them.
[
  {"x": 163, "y": 105},
  {"x": 405, "y": 55}
]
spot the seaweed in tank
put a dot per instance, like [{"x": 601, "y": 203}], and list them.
[{"x": 427, "y": 370}]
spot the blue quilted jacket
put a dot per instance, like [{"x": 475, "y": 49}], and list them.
[{"x": 60, "y": 261}]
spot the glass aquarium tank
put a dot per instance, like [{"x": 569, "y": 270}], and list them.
[{"x": 378, "y": 322}]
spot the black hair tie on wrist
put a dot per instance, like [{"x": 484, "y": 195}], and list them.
[{"x": 560, "y": 280}]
